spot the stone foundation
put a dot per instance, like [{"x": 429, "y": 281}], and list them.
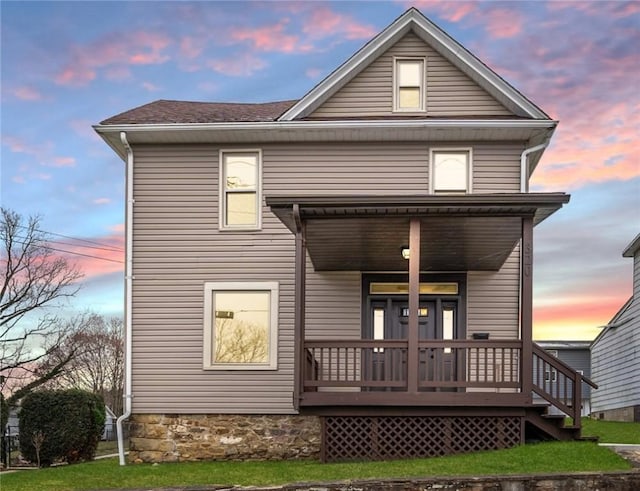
[{"x": 183, "y": 437}]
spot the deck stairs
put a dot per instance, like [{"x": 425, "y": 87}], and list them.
[{"x": 560, "y": 386}]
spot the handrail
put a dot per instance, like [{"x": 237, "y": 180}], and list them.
[{"x": 574, "y": 409}]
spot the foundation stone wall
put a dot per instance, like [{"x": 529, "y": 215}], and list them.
[{"x": 180, "y": 437}]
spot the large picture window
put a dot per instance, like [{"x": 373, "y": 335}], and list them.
[
  {"x": 450, "y": 171},
  {"x": 240, "y": 331},
  {"x": 240, "y": 189},
  {"x": 409, "y": 85}
]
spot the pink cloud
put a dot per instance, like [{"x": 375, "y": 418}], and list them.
[
  {"x": 63, "y": 162},
  {"x": 270, "y": 38},
  {"x": 113, "y": 53},
  {"x": 150, "y": 87},
  {"x": 191, "y": 47},
  {"x": 324, "y": 22},
  {"x": 117, "y": 228},
  {"x": 238, "y": 66},
  {"x": 313, "y": 72},
  {"x": 450, "y": 11},
  {"x": 104, "y": 260},
  {"x": 26, "y": 93},
  {"x": 82, "y": 127},
  {"x": 503, "y": 23},
  {"x": 101, "y": 201}
]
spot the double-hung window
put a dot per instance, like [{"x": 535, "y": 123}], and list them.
[
  {"x": 450, "y": 171},
  {"x": 240, "y": 174},
  {"x": 240, "y": 325},
  {"x": 409, "y": 90}
]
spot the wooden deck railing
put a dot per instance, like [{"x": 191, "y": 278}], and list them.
[
  {"x": 558, "y": 383},
  {"x": 443, "y": 365}
]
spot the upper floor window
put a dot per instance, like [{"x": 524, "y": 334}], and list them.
[
  {"x": 240, "y": 189},
  {"x": 450, "y": 171},
  {"x": 409, "y": 84}
]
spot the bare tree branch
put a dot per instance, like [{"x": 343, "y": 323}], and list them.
[{"x": 33, "y": 280}]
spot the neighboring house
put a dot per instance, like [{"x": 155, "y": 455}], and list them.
[
  {"x": 577, "y": 355},
  {"x": 615, "y": 356},
  {"x": 348, "y": 275}
]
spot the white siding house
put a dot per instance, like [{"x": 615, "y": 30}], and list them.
[{"x": 615, "y": 356}]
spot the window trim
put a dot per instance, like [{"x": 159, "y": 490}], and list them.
[
  {"x": 432, "y": 181},
  {"x": 423, "y": 84},
  {"x": 210, "y": 287},
  {"x": 222, "y": 191}
]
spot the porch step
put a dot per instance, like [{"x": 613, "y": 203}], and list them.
[{"x": 541, "y": 425}]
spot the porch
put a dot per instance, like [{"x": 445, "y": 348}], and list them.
[{"x": 423, "y": 373}]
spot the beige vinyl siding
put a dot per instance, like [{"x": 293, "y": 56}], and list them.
[
  {"x": 177, "y": 247},
  {"x": 449, "y": 92},
  {"x": 493, "y": 300},
  {"x": 496, "y": 168}
]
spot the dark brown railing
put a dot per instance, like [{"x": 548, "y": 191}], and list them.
[
  {"x": 442, "y": 365},
  {"x": 558, "y": 383}
]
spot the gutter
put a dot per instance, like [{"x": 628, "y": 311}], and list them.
[
  {"x": 330, "y": 125},
  {"x": 128, "y": 299},
  {"x": 524, "y": 165}
]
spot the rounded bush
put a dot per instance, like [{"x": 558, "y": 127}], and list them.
[{"x": 65, "y": 424}]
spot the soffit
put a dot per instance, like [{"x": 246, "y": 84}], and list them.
[
  {"x": 457, "y": 233},
  {"x": 528, "y": 131}
]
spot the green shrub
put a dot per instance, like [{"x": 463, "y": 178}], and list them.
[{"x": 65, "y": 425}]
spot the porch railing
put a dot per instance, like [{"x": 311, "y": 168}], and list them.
[
  {"x": 443, "y": 365},
  {"x": 558, "y": 383}
]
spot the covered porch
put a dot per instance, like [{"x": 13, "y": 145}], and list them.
[
  {"x": 427, "y": 373},
  {"x": 416, "y": 235}
]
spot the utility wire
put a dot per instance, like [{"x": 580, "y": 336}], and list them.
[
  {"x": 73, "y": 238},
  {"x": 77, "y": 253},
  {"x": 110, "y": 249}
]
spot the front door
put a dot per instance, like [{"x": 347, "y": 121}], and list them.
[{"x": 389, "y": 320}]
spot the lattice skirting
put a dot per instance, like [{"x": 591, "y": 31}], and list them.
[{"x": 398, "y": 437}]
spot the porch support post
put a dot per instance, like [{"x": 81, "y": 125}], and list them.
[
  {"x": 299, "y": 300},
  {"x": 414, "y": 305},
  {"x": 526, "y": 308}
]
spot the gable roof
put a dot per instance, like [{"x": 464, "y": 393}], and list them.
[
  {"x": 632, "y": 248},
  {"x": 413, "y": 20},
  {"x": 167, "y": 111}
]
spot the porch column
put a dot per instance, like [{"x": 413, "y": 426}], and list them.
[
  {"x": 414, "y": 305},
  {"x": 526, "y": 308},
  {"x": 299, "y": 300}
]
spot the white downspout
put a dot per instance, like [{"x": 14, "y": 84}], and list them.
[
  {"x": 127, "y": 292},
  {"x": 524, "y": 165}
]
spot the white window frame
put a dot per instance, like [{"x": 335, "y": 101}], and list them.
[
  {"x": 396, "y": 86},
  {"x": 222, "y": 191},
  {"x": 432, "y": 181},
  {"x": 209, "y": 323}
]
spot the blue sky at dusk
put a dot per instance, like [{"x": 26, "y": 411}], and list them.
[{"x": 68, "y": 65}]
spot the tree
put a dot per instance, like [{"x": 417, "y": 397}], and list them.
[
  {"x": 34, "y": 279},
  {"x": 98, "y": 364}
]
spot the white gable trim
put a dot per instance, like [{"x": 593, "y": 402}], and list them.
[{"x": 453, "y": 51}]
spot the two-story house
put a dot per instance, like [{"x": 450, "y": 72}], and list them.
[{"x": 348, "y": 275}]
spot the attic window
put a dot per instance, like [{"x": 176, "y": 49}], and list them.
[{"x": 409, "y": 84}]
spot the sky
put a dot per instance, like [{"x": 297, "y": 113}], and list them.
[{"x": 68, "y": 65}]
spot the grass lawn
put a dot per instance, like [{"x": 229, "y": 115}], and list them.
[
  {"x": 545, "y": 457},
  {"x": 611, "y": 431}
]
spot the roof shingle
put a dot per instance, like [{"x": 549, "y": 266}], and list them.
[{"x": 167, "y": 111}]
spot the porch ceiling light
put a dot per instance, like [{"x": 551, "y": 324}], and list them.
[{"x": 404, "y": 250}]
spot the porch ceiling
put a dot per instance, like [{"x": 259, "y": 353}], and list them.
[{"x": 458, "y": 233}]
